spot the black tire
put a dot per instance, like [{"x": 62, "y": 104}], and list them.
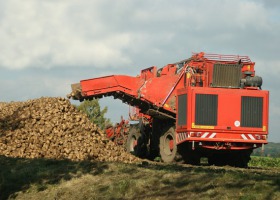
[
  {"x": 167, "y": 146},
  {"x": 132, "y": 141},
  {"x": 136, "y": 143},
  {"x": 240, "y": 158},
  {"x": 235, "y": 159},
  {"x": 218, "y": 159},
  {"x": 189, "y": 156}
]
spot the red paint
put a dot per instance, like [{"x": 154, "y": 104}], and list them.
[{"x": 154, "y": 92}]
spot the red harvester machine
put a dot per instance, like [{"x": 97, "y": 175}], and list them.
[{"x": 209, "y": 105}]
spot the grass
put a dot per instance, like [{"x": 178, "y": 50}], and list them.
[
  {"x": 52, "y": 179},
  {"x": 264, "y": 162}
]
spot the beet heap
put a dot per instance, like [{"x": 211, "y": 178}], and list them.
[{"x": 53, "y": 128}]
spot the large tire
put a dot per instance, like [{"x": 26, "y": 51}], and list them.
[
  {"x": 132, "y": 141},
  {"x": 235, "y": 159},
  {"x": 189, "y": 155},
  {"x": 167, "y": 146},
  {"x": 240, "y": 158},
  {"x": 136, "y": 143},
  {"x": 218, "y": 159}
]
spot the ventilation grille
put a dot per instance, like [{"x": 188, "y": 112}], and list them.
[
  {"x": 252, "y": 112},
  {"x": 182, "y": 111},
  {"x": 206, "y": 107},
  {"x": 226, "y": 75}
]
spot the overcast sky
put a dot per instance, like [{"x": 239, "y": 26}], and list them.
[{"x": 47, "y": 45}]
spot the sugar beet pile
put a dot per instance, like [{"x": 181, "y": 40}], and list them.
[{"x": 53, "y": 128}]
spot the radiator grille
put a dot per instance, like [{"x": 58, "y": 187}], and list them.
[
  {"x": 206, "y": 107},
  {"x": 252, "y": 112},
  {"x": 182, "y": 109},
  {"x": 226, "y": 75}
]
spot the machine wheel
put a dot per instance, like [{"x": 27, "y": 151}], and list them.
[
  {"x": 167, "y": 146},
  {"x": 189, "y": 156},
  {"x": 132, "y": 141},
  {"x": 136, "y": 143},
  {"x": 240, "y": 158},
  {"x": 235, "y": 159},
  {"x": 218, "y": 159}
]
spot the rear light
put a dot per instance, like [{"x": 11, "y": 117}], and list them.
[
  {"x": 195, "y": 134},
  {"x": 260, "y": 137}
]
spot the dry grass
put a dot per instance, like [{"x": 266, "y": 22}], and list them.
[{"x": 50, "y": 179}]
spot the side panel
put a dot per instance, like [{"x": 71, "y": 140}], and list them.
[
  {"x": 229, "y": 110},
  {"x": 223, "y": 115},
  {"x": 103, "y": 85},
  {"x": 182, "y": 113},
  {"x": 234, "y": 107}
]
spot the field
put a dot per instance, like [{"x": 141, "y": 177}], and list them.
[
  {"x": 54, "y": 179},
  {"x": 50, "y": 150}
]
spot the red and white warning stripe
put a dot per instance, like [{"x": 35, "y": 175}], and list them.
[
  {"x": 208, "y": 135},
  {"x": 182, "y": 136},
  {"x": 248, "y": 137}
]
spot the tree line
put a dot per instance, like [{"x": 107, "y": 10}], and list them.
[
  {"x": 94, "y": 112},
  {"x": 272, "y": 149}
]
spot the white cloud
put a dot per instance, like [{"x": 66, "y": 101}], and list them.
[
  {"x": 45, "y": 34},
  {"x": 100, "y": 33}
]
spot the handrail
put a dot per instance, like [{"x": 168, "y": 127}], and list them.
[{"x": 220, "y": 57}]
